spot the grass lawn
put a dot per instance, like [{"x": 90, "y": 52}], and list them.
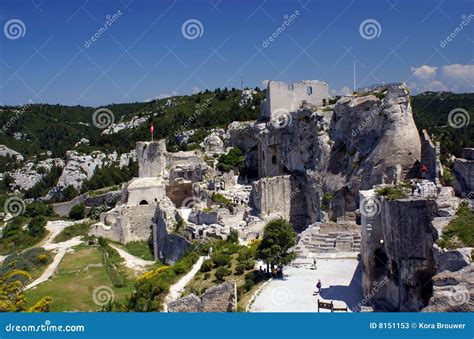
[
  {"x": 72, "y": 288},
  {"x": 72, "y": 231}
]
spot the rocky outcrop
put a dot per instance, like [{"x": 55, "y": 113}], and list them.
[
  {"x": 80, "y": 167},
  {"x": 8, "y": 152},
  {"x": 240, "y": 134},
  {"x": 220, "y": 298},
  {"x": 213, "y": 144},
  {"x": 31, "y": 173},
  {"x": 430, "y": 155},
  {"x": 454, "y": 260},
  {"x": 463, "y": 171},
  {"x": 134, "y": 122},
  {"x": 397, "y": 247},
  {"x": 453, "y": 291},
  {"x": 151, "y": 158},
  {"x": 366, "y": 140}
]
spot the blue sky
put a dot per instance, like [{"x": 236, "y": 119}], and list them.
[{"x": 143, "y": 53}]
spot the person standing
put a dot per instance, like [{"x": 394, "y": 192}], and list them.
[{"x": 318, "y": 286}]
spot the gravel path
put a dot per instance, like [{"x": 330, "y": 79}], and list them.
[
  {"x": 340, "y": 280},
  {"x": 54, "y": 228},
  {"x": 132, "y": 261},
  {"x": 49, "y": 271},
  {"x": 178, "y": 288}
]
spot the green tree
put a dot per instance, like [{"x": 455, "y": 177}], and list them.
[
  {"x": 36, "y": 227},
  {"x": 278, "y": 237},
  {"x": 77, "y": 212}
]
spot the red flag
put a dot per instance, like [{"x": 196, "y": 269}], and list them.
[{"x": 152, "y": 129}]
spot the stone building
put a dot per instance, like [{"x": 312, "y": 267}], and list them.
[
  {"x": 147, "y": 207},
  {"x": 285, "y": 97}
]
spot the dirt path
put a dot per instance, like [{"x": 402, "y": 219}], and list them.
[
  {"x": 178, "y": 288},
  {"x": 54, "y": 228},
  {"x": 49, "y": 271},
  {"x": 132, "y": 261}
]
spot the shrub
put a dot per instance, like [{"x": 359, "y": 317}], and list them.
[
  {"x": 249, "y": 264},
  {"x": 222, "y": 272},
  {"x": 77, "y": 212},
  {"x": 230, "y": 160},
  {"x": 239, "y": 269},
  {"x": 391, "y": 193},
  {"x": 207, "y": 265},
  {"x": 233, "y": 237},
  {"x": 38, "y": 208},
  {"x": 221, "y": 200},
  {"x": 248, "y": 285},
  {"x": 42, "y": 258},
  {"x": 221, "y": 259},
  {"x": 36, "y": 226},
  {"x": 460, "y": 231}
]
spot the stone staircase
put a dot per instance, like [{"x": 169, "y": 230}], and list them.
[{"x": 312, "y": 242}]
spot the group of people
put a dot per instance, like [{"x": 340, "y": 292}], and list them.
[
  {"x": 415, "y": 187},
  {"x": 276, "y": 272}
]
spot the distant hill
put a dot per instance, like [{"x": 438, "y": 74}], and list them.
[
  {"x": 37, "y": 128},
  {"x": 431, "y": 110}
]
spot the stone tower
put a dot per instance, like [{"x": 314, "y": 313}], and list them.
[{"x": 151, "y": 158}]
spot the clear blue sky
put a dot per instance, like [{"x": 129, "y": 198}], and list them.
[{"x": 143, "y": 54}]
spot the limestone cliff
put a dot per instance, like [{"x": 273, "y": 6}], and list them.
[{"x": 366, "y": 139}]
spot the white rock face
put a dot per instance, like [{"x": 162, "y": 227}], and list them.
[
  {"x": 365, "y": 141},
  {"x": 31, "y": 173},
  {"x": 240, "y": 134},
  {"x": 246, "y": 97},
  {"x": 8, "y": 152},
  {"x": 80, "y": 167},
  {"x": 83, "y": 141},
  {"x": 115, "y": 128},
  {"x": 213, "y": 144}
]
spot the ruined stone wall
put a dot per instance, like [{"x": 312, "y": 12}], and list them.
[
  {"x": 285, "y": 97},
  {"x": 286, "y": 196},
  {"x": 220, "y": 298}
]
